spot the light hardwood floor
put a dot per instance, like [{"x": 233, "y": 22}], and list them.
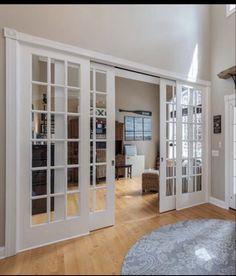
[{"x": 103, "y": 251}]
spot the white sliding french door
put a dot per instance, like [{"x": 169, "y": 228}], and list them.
[
  {"x": 102, "y": 146},
  {"x": 168, "y": 107},
  {"x": 191, "y": 187},
  {"x": 66, "y": 146},
  {"x": 182, "y": 142}
]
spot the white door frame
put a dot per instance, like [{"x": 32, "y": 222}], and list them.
[
  {"x": 228, "y": 99},
  {"x": 13, "y": 40}
]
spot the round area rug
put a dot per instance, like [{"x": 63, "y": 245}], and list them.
[{"x": 192, "y": 247}]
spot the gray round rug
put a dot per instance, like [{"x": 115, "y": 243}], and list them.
[{"x": 192, "y": 247}]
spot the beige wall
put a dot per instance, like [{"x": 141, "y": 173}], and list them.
[
  {"x": 222, "y": 57},
  {"x": 138, "y": 95},
  {"x": 163, "y": 36}
]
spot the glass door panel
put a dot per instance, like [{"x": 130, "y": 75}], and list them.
[
  {"x": 168, "y": 108},
  {"x": 190, "y": 138},
  {"x": 53, "y": 169},
  {"x": 101, "y": 149}
]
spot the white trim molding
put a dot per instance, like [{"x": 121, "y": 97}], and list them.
[
  {"x": 218, "y": 202},
  {"x": 2, "y": 253},
  {"x": 228, "y": 99},
  {"x": 136, "y": 76},
  {"x": 100, "y": 58},
  {"x": 11, "y": 143}
]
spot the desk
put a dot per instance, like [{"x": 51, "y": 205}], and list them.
[{"x": 128, "y": 167}]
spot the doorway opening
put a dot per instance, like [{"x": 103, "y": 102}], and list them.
[{"x": 137, "y": 146}]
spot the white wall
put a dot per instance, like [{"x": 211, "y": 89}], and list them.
[
  {"x": 222, "y": 57},
  {"x": 164, "y": 36},
  {"x": 139, "y": 95}
]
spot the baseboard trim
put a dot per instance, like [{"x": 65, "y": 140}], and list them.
[
  {"x": 2, "y": 253},
  {"x": 218, "y": 202}
]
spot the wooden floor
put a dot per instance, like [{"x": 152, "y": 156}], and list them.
[{"x": 102, "y": 252}]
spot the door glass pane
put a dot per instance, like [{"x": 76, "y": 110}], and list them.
[
  {"x": 101, "y": 128},
  {"x": 73, "y": 153},
  {"x": 101, "y": 197},
  {"x": 198, "y": 98},
  {"x": 185, "y": 131},
  {"x": 73, "y": 127},
  {"x": 73, "y": 75},
  {"x": 57, "y": 126},
  {"x": 101, "y": 105},
  {"x": 185, "y": 99},
  {"x": 198, "y": 183},
  {"x": 169, "y": 93},
  {"x": 185, "y": 149},
  {"x": 169, "y": 187},
  {"x": 57, "y": 181},
  {"x": 91, "y": 80},
  {"x": 57, "y": 208},
  {"x": 57, "y": 72},
  {"x": 171, "y": 131},
  {"x": 170, "y": 112},
  {"x": 73, "y": 101},
  {"x": 101, "y": 152},
  {"x": 57, "y": 99},
  {"x": 184, "y": 185},
  {"x": 39, "y": 97},
  {"x": 72, "y": 205},
  {"x": 39, "y": 211},
  {"x": 39, "y": 68},
  {"x": 197, "y": 115},
  {"x": 92, "y": 175},
  {"x": 57, "y": 153},
  {"x": 39, "y": 183},
  {"x": 39, "y": 125},
  {"x": 169, "y": 150},
  {"x": 72, "y": 179},
  {"x": 185, "y": 166},
  {"x": 101, "y": 174},
  {"x": 101, "y": 81},
  {"x": 39, "y": 154}
]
